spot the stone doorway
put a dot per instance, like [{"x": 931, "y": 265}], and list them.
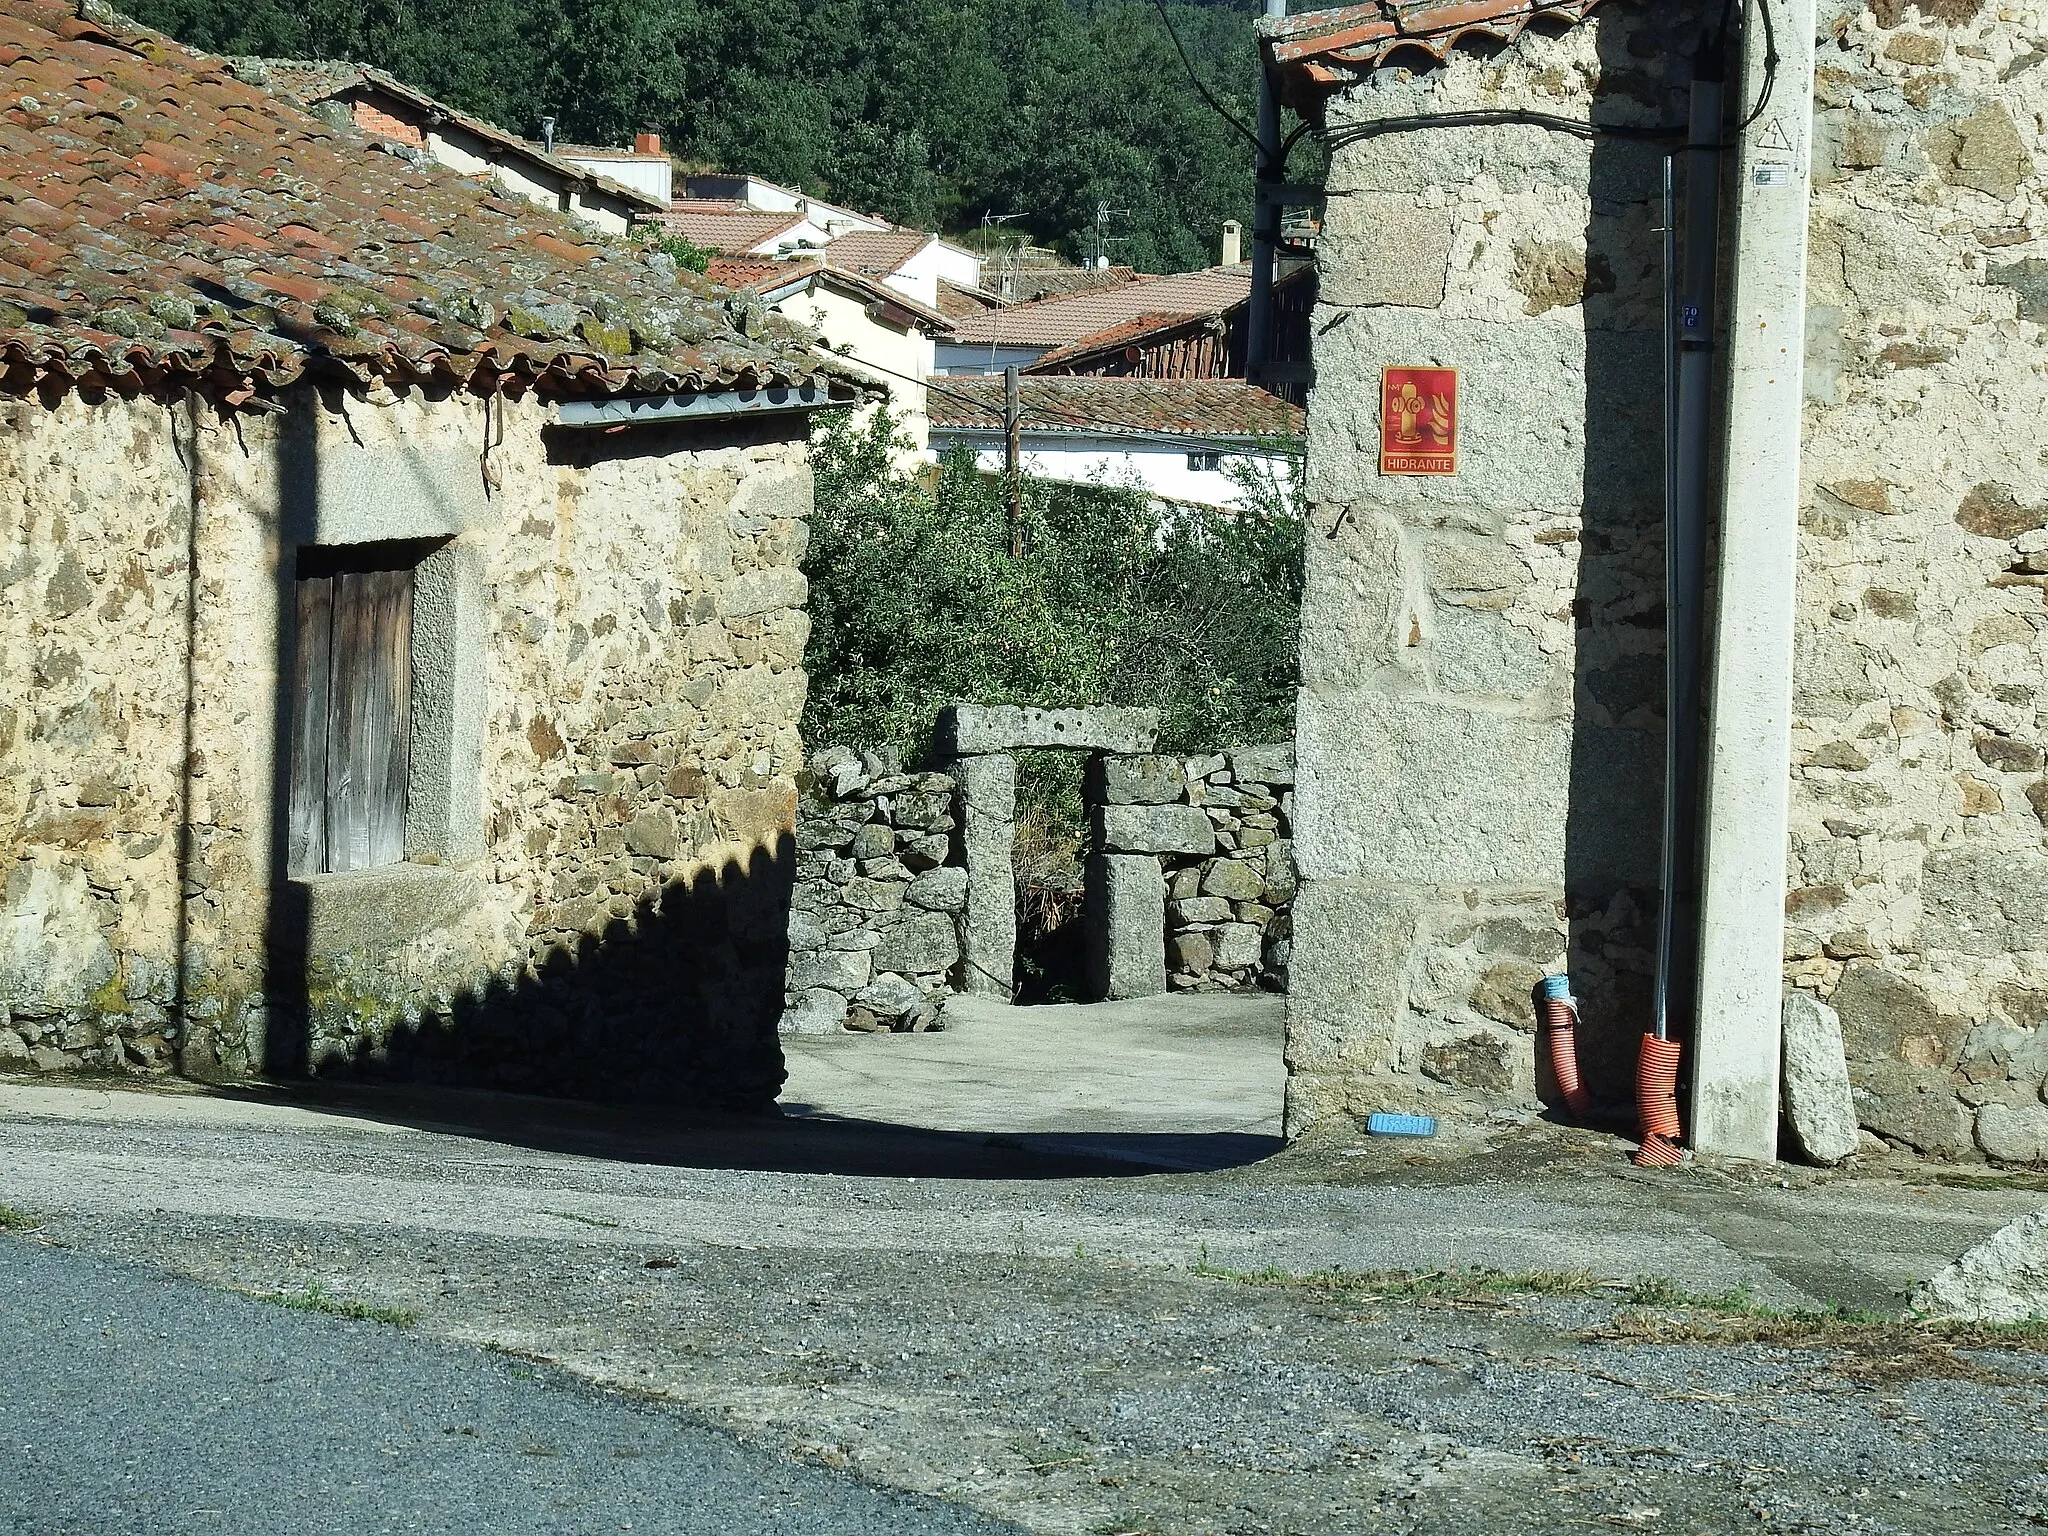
[{"x": 1124, "y": 897}]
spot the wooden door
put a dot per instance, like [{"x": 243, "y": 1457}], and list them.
[{"x": 351, "y": 721}]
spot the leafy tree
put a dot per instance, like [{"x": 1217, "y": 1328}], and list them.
[
  {"x": 916, "y": 601},
  {"x": 932, "y": 112}
]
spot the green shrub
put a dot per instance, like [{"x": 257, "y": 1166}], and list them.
[{"x": 916, "y": 602}]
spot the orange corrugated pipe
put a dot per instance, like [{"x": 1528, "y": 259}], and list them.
[
  {"x": 1657, "y": 1102},
  {"x": 1560, "y": 1021}
]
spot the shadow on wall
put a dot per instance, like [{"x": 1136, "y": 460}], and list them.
[
  {"x": 1613, "y": 823},
  {"x": 675, "y": 999}
]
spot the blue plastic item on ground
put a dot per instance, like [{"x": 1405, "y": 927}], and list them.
[{"x": 1400, "y": 1125}]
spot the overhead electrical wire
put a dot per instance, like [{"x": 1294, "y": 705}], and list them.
[{"x": 1201, "y": 89}]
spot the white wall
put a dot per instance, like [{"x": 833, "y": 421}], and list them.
[
  {"x": 971, "y": 357},
  {"x": 643, "y": 173},
  {"x": 766, "y": 195},
  {"x": 470, "y": 155},
  {"x": 843, "y": 320},
  {"x": 1157, "y": 468},
  {"x": 796, "y": 237}
]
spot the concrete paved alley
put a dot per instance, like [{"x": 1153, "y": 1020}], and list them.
[{"x": 1185, "y": 1082}]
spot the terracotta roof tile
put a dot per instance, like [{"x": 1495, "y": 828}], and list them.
[
  {"x": 1129, "y": 333},
  {"x": 1203, "y": 408},
  {"x": 732, "y": 229},
  {"x": 1330, "y": 45},
  {"x": 1062, "y": 321},
  {"x": 875, "y": 252},
  {"x": 410, "y": 271}
]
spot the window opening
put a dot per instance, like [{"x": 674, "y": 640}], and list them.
[{"x": 351, "y": 740}]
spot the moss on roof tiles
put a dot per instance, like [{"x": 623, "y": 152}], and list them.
[{"x": 140, "y": 180}]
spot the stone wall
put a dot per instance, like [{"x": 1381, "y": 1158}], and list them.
[
  {"x": 1918, "y": 877},
  {"x": 596, "y": 904},
  {"x": 1482, "y": 659},
  {"x": 883, "y": 925},
  {"x": 1228, "y": 885},
  {"x": 1480, "y": 720},
  {"x": 874, "y": 939}
]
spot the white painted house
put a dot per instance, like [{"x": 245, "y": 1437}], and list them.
[
  {"x": 375, "y": 103},
  {"x": 768, "y": 197},
  {"x": 1171, "y": 438},
  {"x": 879, "y": 332}
]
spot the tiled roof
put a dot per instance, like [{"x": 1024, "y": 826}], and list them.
[
  {"x": 1097, "y": 407},
  {"x": 729, "y": 227},
  {"x": 163, "y": 219},
  {"x": 1128, "y": 334},
  {"x": 1059, "y": 322},
  {"x": 1329, "y": 46},
  {"x": 754, "y": 271},
  {"x": 762, "y": 275},
  {"x": 1064, "y": 282},
  {"x": 875, "y": 252},
  {"x": 957, "y": 300},
  {"x": 311, "y": 81}
]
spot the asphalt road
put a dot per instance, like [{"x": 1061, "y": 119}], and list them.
[{"x": 133, "y": 1401}]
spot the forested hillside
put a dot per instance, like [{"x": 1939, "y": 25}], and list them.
[{"x": 932, "y": 112}]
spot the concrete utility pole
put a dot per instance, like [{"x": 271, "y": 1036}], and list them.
[
  {"x": 1013, "y": 413},
  {"x": 1741, "y": 986}
]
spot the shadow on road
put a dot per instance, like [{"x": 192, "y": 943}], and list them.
[{"x": 799, "y": 1140}]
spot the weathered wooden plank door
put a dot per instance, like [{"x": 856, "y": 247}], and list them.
[
  {"x": 306, "y": 846},
  {"x": 352, "y": 721},
  {"x": 369, "y": 719}
]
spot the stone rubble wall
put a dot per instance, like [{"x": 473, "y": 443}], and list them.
[
  {"x": 618, "y": 927},
  {"x": 1918, "y": 869},
  {"x": 1481, "y": 709},
  {"x": 882, "y": 922},
  {"x": 874, "y": 937},
  {"x": 1228, "y": 873}
]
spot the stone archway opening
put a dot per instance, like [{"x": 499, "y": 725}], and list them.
[
  {"x": 1189, "y": 865},
  {"x": 980, "y": 744}
]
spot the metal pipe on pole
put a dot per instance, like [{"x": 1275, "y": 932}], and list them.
[
  {"x": 1013, "y": 419},
  {"x": 1685, "y": 540},
  {"x": 1748, "y": 804},
  {"x": 1269, "y": 173}
]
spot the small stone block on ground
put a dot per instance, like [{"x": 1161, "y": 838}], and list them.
[
  {"x": 1819, "y": 1108},
  {"x": 2004, "y": 1279}
]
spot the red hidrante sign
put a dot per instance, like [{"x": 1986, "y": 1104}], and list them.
[{"x": 1418, "y": 421}]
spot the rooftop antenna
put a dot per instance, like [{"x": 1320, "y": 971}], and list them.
[
  {"x": 995, "y": 221},
  {"x": 1103, "y": 214}
]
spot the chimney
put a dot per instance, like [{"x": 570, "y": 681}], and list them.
[
  {"x": 1233, "y": 246},
  {"x": 646, "y": 143},
  {"x": 547, "y": 135}
]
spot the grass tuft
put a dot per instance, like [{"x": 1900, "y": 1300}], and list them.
[
  {"x": 588, "y": 1221},
  {"x": 1469, "y": 1284},
  {"x": 12, "y": 1220},
  {"x": 314, "y": 1298}
]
